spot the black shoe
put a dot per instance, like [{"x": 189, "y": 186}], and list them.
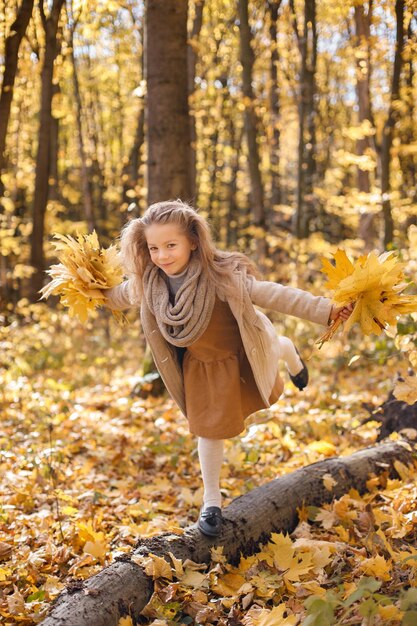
[
  {"x": 210, "y": 521},
  {"x": 300, "y": 380}
]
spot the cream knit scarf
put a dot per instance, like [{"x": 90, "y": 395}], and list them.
[{"x": 184, "y": 321}]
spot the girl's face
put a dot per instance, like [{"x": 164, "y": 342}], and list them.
[{"x": 169, "y": 247}]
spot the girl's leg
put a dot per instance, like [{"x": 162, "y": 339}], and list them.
[
  {"x": 210, "y": 453},
  {"x": 290, "y": 356}
]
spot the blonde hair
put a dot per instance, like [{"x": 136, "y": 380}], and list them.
[{"x": 217, "y": 264}]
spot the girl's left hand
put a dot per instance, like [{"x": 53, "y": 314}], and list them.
[{"x": 342, "y": 312}]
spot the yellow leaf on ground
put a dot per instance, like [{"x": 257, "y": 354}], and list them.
[
  {"x": 323, "y": 447},
  {"x": 154, "y": 566},
  {"x": 125, "y": 621},
  {"x": 228, "y": 585},
  {"x": 276, "y": 617},
  {"x": 301, "y": 564},
  {"x": 194, "y": 579},
  {"x": 98, "y": 549},
  {"x": 376, "y": 566},
  {"x": 279, "y": 551},
  {"x": 390, "y": 612}
]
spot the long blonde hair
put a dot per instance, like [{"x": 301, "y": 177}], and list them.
[{"x": 217, "y": 264}]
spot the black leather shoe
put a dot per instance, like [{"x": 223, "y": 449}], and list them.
[
  {"x": 210, "y": 521},
  {"x": 300, "y": 380}
]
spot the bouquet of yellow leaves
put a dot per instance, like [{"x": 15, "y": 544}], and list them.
[
  {"x": 373, "y": 284},
  {"x": 85, "y": 269}
]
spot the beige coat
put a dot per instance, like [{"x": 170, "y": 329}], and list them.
[{"x": 258, "y": 333}]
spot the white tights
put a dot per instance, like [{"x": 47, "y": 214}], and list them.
[
  {"x": 290, "y": 355},
  {"x": 210, "y": 451}
]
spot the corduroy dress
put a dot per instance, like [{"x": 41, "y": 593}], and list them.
[{"x": 220, "y": 389}]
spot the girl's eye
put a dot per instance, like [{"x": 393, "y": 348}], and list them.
[
  {"x": 171, "y": 245},
  {"x": 152, "y": 249}
]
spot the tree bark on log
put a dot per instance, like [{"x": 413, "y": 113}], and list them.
[{"x": 123, "y": 588}]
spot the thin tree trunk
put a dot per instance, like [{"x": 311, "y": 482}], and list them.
[
  {"x": 307, "y": 43},
  {"x": 247, "y": 59},
  {"x": 87, "y": 197},
  {"x": 192, "y": 53},
  {"x": 409, "y": 161},
  {"x": 363, "y": 21},
  {"x": 50, "y": 25},
  {"x": 274, "y": 103},
  {"x": 123, "y": 588},
  {"x": 363, "y": 71},
  {"x": 13, "y": 41},
  {"x": 131, "y": 169},
  {"x": 233, "y": 216},
  {"x": 388, "y": 131},
  {"x": 168, "y": 164}
]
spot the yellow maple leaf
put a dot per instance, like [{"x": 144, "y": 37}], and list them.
[
  {"x": 84, "y": 271},
  {"x": 374, "y": 285},
  {"x": 125, "y": 621},
  {"x": 342, "y": 268},
  {"x": 275, "y": 617},
  {"x": 376, "y": 566},
  {"x": 154, "y": 566},
  {"x": 300, "y": 565},
  {"x": 278, "y": 552},
  {"x": 322, "y": 447},
  {"x": 229, "y": 584},
  {"x": 98, "y": 549}
]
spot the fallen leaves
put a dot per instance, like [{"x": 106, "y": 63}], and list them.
[{"x": 87, "y": 470}]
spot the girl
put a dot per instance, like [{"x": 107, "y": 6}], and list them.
[{"x": 217, "y": 355}]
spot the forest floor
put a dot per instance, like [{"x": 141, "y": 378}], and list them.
[{"x": 87, "y": 469}]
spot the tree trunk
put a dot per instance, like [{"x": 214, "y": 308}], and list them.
[
  {"x": 274, "y": 104},
  {"x": 247, "y": 59},
  {"x": 53, "y": 169},
  {"x": 388, "y": 131},
  {"x": 131, "y": 169},
  {"x": 167, "y": 115},
  {"x": 124, "y": 589},
  {"x": 307, "y": 43},
  {"x": 363, "y": 21},
  {"x": 363, "y": 71},
  {"x": 191, "y": 65},
  {"x": 13, "y": 40},
  {"x": 50, "y": 25},
  {"x": 409, "y": 135},
  {"x": 232, "y": 232},
  {"x": 87, "y": 197}
]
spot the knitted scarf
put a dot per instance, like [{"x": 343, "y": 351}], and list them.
[{"x": 184, "y": 321}]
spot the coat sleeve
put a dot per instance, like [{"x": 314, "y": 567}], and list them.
[
  {"x": 120, "y": 297},
  {"x": 289, "y": 300}
]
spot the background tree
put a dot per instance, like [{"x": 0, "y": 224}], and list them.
[
  {"x": 13, "y": 40},
  {"x": 388, "y": 130},
  {"x": 306, "y": 205},
  {"x": 50, "y": 24},
  {"x": 168, "y": 164},
  {"x": 251, "y": 119}
]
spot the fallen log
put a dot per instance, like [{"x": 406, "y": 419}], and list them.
[{"x": 123, "y": 588}]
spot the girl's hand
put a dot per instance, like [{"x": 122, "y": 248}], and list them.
[{"x": 342, "y": 312}]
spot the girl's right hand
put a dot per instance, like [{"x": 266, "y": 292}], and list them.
[{"x": 342, "y": 312}]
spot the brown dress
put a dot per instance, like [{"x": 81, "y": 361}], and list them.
[{"x": 220, "y": 389}]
